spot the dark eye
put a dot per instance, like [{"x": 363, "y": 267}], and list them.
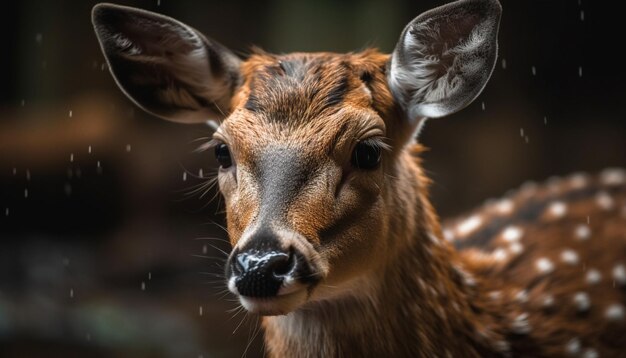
[
  {"x": 222, "y": 154},
  {"x": 366, "y": 155}
]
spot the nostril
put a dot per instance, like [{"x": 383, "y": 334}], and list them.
[{"x": 284, "y": 265}]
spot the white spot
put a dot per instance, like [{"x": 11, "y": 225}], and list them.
[
  {"x": 582, "y": 232},
  {"x": 582, "y": 301},
  {"x": 582, "y": 15},
  {"x": 613, "y": 176},
  {"x": 521, "y": 325},
  {"x": 512, "y": 234},
  {"x": 504, "y": 64},
  {"x": 533, "y": 69},
  {"x": 184, "y": 176},
  {"x": 604, "y": 200},
  {"x": 573, "y": 347},
  {"x": 558, "y": 209},
  {"x": 569, "y": 257},
  {"x": 482, "y": 104},
  {"x": 38, "y": 38},
  {"x": 544, "y": 265},
  {"x": 579, "y": 180},
  {"x": 128, "y": 148},
  {"x": 143, "y": 286},
  {"x": 6, "y": 212},
  {"x": 593, "y": 276},
  {"x": 200, "y": 173},
  {"x": 469, "y": 225},
  {"x": 500, "y": 254},
  {"x": 495, "y": 295},
  {"x": 614, "y": 312},
  {"x": 522, "y": 296},
  {"x": 200, "y": 311},
  {"x": 590, "y": 353},
  {"x": 25, "y": 193},
  {"x": 619, "y": 274},
  {"x": 516, "y": 248},
  {"x": 504, "y": 206},
  {"x": 71, "y": 293},
  {"x": 70, "y": 114},
  {"x": 580, "y": 71},
  {"x": 71, "y": 157},
  {"x": 448, "y": 235},
  {"x": 547, "y": 301}
]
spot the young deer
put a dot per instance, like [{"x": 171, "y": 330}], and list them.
[{"x": 334, "y": 239}]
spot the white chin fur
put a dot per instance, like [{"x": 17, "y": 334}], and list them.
[{"x": 272, "y": 306}]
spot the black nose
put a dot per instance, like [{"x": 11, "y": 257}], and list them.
[{"x": 260, "y": 273}]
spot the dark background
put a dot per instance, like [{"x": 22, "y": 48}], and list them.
[{"x": 111, "y": 259}]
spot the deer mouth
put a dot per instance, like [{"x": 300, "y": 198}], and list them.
[{"x": 276, "y": 305}]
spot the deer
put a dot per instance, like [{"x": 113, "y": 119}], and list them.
[{"x": 335, "y": 243}]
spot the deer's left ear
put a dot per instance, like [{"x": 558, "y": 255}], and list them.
[
  {"x": 444, "y": 58},
  {"x": 164, "y": 66}
]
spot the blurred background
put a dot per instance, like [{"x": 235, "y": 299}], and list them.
[{"x": 112, "y": 243}]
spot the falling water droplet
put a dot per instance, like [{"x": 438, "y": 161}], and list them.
[
  {"x": 71, "y": 157},
  {"x": 200, "y": 173},
  {"x": 128, "y": 147},
  {"x": 71, "y": 293},
  {"x": 99, "y": 168},
  {"x": 143, "y": 286},
  {"x": 582, "y": 15},
  {"x": 580, "y": 71},
  {"x": 504, "y": 64},
  {"x": 38, "y": 38},
  {"x": 6, "y": 212},
  {"x": 89, "y": 150},
  {"x": 25, "y": 193},
  {"x": 545, "y": 120},
  {"x": 533, "y": 69},
  {"x": 204, "y": 249},
  {"x": 14, "y": 171},
  {"x": 526, "y": 139},
  {"x": 158, "y": 2},
  {"x": 70, "y": 114},
  {"x": 184, "y": 176},
  {"x": 482, "y": 104},
  {"x": 68, "y": 189},
  {"x": 521, "y": 132},
  {"x": 27, "y": 174},
  {"x": 200, "y": 311},
  {"x": 149, "y": 276},
  {"x": 23, "y": 103}
]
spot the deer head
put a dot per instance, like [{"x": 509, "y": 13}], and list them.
[{"x": 312, "y": 146}]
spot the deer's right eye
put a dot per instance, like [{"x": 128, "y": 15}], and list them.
[{"x": 222, "y": 154}]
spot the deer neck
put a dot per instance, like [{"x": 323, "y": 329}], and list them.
[{"x": 421, "y": 300}]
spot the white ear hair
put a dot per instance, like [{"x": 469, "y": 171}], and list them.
[{"x": 444, "y": 58}]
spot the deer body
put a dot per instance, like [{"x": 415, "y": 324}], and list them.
[{"x": 334, "y": 239}]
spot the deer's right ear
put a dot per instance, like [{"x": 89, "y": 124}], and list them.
[
  {"x": 444, "y": 58},
  {"x": 164, "y": 66}
]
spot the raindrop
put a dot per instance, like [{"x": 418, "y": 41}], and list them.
[
  {"x": 149, "y": 276},
  {"x": 504, "y": 64},
  {"x": 200, "y": 311},
  {"x": 25, "y": 193},
  {"x": 99, "y": 168},
  {"x": 143, "y": 286},
  {"x": 103, "y": 66},
  {"x": 71, "y": 293},
  {"x": 68, "y": 189},
  {"x": 580, "y": 71},
  {"x": 128, "y": 147},
  {"x": 521, "y": 132},
  {"x": 545, "y": 120},
  {"x": 71, "y": 157},
  {"x": 204, "y": 249},
  {"x": 582, "y": 15},
  {"x": 39, "y": 38},
  {"x": 27, "y": 175},
  {"x": 200, "y": 173},
  {"x": 23, "y": 102},
  {"x": 184, "y": 176},
  {"x": 14, "y": 171},
  {"x": 158, "y": 2},
  {"x": 6, "y": 212},
  {"x": 526, "y": 139},
  {"x": 533, "y": 69},
  {"x": 89, "y": 150},
  {"x": 70, "y": 114},
  {"x": 482, "y": 105}
]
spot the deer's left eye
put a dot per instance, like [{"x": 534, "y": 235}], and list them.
[
  {"x": 222, "y": 154},
  {"x": 366, "y": 155}
]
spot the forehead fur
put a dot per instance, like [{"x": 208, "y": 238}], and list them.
[{"x": 295, "y": 88}]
